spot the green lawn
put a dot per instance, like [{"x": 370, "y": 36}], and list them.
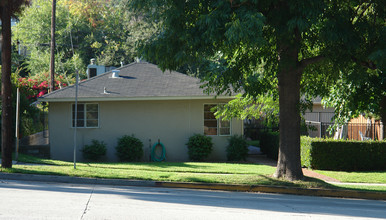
[
  {"x": 356, "y": 177},
  {"x": 255, "y": 143},
  {"x": 226, "y": 173},
  {"x": 362, "y": 187}
]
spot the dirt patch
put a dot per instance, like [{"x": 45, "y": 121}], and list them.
[
  {"x": 262, "y": 159},
  {"x": 313, "y": 174}
]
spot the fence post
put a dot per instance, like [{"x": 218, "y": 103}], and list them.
[{"x": 320, "y": 129}]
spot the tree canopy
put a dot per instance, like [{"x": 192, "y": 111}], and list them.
[
  {"x": 275, "y": 47},
  {"x": 105, "y": 30}
]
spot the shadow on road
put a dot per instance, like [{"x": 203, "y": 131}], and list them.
[{"x": 254, "y": 201}]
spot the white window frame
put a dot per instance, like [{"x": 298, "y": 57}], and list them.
[
  {"x": 218, "y": 122},
  {"x": 84, "y": 115}
]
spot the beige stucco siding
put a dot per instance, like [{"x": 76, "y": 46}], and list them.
[
  {"x": 173, "y": 122},
  {"x": 319, "y": 113}
]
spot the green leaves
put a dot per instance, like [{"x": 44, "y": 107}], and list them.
[
  {"x": 237, "y": 47},
  {"x": 129, "y": 148},
  {"x": 199, "y": 147},
  {"x": 263, "y": 106},
  {"x": 237, "y": 148},
  {"x": 107, "y": 31}
]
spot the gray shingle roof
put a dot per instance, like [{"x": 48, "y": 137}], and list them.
[{"x": 137, "y": 80}]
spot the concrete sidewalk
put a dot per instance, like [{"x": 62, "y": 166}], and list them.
[{"x": 225, "y": 187}]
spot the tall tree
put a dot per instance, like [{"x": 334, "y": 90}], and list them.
[
  {"x": 262, "y": 46},
  {"x": 105, "y": 30},
  {"x": 7, "y": 10}
]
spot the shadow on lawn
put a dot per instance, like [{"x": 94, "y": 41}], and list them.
[
  {"x": 183, "y": 167},
  {"x": 37, "y": 172}
]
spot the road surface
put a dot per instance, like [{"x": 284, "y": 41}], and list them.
[{"x": 36, "y": 200}]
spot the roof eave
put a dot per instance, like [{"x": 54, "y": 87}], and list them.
[{"x": 148, "y": 98}]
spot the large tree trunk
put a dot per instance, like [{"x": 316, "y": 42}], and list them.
[
  {"x": 6, "y": 92},
  {"x": 289, "y": 74}
]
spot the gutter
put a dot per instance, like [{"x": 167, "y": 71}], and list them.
[{"x": 150, "y": 98}]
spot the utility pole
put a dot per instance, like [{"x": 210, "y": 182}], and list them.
[{"x": 52, "y": 64}]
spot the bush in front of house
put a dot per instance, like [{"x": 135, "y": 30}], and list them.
[
  {"x": 237, "y": 148},
  {"x": 269, "y": 144},
  {"x": 199, "y": 147},
  {"x": 129, "y": 148},
  {"x": 94, "y": 151},
  {"x": 342, "y": 155}
]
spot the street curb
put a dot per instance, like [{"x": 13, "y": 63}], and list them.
[
  {"x": 280, "y": 189},
  {"x": 206, "y": 186},
  {"x": 74, "y": 180}
]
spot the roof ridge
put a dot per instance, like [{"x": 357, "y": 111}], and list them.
[
  {"x": 87, "y": 80},
  {"x": 138, "y": 79}
]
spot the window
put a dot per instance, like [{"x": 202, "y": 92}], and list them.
[
  {"x": 213, "y": 126},
  {"x": 88, "y": 116}
]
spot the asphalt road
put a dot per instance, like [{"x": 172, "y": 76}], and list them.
[{"x": 36, "y": 200}]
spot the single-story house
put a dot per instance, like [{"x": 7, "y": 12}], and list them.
[
  {"x": 359, "y": 128},
  {"x": 141, "y": 100},
  {"x": 319, "y": 113}
]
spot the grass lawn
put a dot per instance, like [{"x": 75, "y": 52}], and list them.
[
  {"x": 356, "y": 177},
  {"x": 226, "y": 173},
  {"x": 362, "y": 188},
  {"x": 255, "y": 143}
]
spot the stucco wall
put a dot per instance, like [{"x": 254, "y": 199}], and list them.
[
  {"x": 173, "y": 122},
  {"x": 319, "y": 113}
]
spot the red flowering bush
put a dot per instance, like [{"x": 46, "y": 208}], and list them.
[{"x": 35, "y": 87}]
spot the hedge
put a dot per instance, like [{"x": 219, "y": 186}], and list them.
[
  {"x": 342, "y": 155},
  {"x": 269, "y": 144}
]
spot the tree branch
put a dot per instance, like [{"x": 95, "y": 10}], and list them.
[
  {"x": 239, "y": 5},
  {"x": 305, "y": 62},
  {"x": 368, "y": 64}
]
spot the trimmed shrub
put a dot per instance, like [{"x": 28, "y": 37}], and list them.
[
  {"x": 305, "y": 150},
  {"x": 199, "y": 147},
  {"x": 341, "y": 155},
  {"x": 94, "y": 151},
  {"x": 269, "y": 144},
  {"x": 129, "y": 148},
  {"x": 237, "y": 148}
]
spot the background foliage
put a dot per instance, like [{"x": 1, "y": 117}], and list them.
[{"x": 106, "y": 30}]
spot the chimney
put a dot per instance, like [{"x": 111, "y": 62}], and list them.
[
  {"x": 115, "y": 74},
  {"x": 92, "y": 69}
]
